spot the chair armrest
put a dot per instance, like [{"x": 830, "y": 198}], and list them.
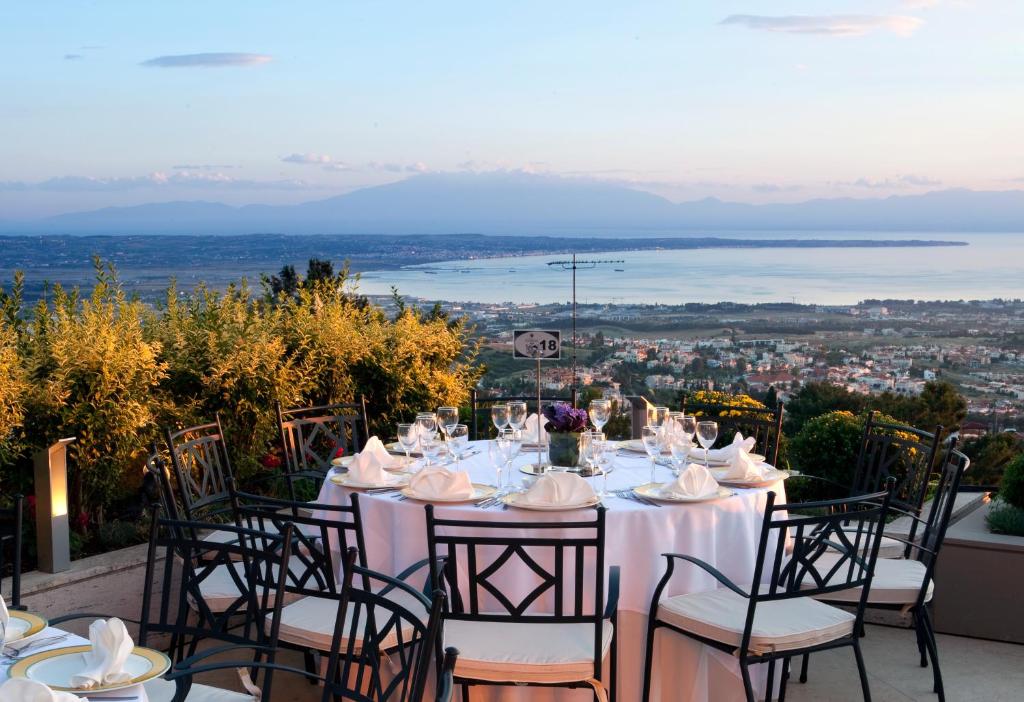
[
  {"x": 710, "y": 570},
  {"x": 612, "y": 607},
  {"x": 89, "y": 615},
  {"x": 413, "y": 569},
  {"x": 189, "y": 663},
  {"x": 182, "y": 678}
]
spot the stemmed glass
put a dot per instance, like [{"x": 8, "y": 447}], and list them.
[
  {"x": 430, "y": 443},
  {"x": 496, "y": 453},
  {"x": 652, "y": 438},
  {"x": 604, "y": 460},
  {"x": 657, "y": 415},
  {"x": 499, "y": 416},
  {"x": 590, "y": 449},
  {"x": 680, "y": 446},
  {"x": 707, "y": 433},
  {"x": 689, "y": 426},
  {"x": 600, "y": 413},
  {"x": 458, "y": 442},
  {"x": 517, "y": 414},
  {"x": 426, "y": 423},
  {"x": 512, "y": 443},
  {"x": 447, "y": 417},
  {"x": 408, "y": 436}
]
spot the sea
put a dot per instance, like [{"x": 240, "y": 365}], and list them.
[{"x": 990, "y": 266}]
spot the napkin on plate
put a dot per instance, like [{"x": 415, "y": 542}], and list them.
[
  {"x": 727, "y": 453},
  {"x": 534, "y": 431},
  {"x": 742, "y": 467},
  {"x": 556, "y": 489},
  {"x": 367, "y": 467},
  {"x": 25, "y": 690},
  {"x": 104, "y": 664},
  {"x": 375, "y": 447},
  {"x": 437, "y": 482},
  {"x": 694, "y": 481}
]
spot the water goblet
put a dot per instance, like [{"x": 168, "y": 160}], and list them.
[
  {"x": 447, "y": 417},
  {"x": 458, "y": 442},
  {"x": 408, "y": 436},
  {"x": 431, "y": 445},
  {"x": 652, "y": 438},
  {"x": 707, "y": 434},
  {"x": 426, "y": 422},
  {"x": 661, "y": 415},
  {"x": 496, "y": 455},
  {"x": 689, "y": 425},
  {"x": 680, "y": 448},
  {"x": 600, "y": 412},
  {"x": 604, "y": 461},
  {"x": 499, "y": 416},
  {"x": 513, "y": 439},
  {"x": 517, "y": 414}
]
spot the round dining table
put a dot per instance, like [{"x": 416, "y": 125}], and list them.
[{"x": 723, "y": 532}]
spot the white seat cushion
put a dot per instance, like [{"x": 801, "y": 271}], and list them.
[
  {"x": 779, "y": 625},
  {"x": 160, "y": 690},
  {"x": 888, "y": 548},
  {"x": 220, "y": 591},
  {"x": 896, "y": 582},
  {"x": 525, "y": 652},
  {"x": 310, "y": 621}
]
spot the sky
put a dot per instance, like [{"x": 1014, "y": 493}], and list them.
[{"x": 110, "y": 103}]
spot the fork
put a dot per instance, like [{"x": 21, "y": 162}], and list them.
[{"x": 32, "y": 646}]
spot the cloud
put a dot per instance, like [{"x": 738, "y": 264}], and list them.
[
  {"x": 158, "y": 179},
  {"x": 73, "y": 57},
  {"x": 307, "y": 159},
  {"x": 202, "y": 167},
  {"x": 210, "y": 60},
  {"x": 901, "y": 181},
  {"x": 829, "y": 25}
]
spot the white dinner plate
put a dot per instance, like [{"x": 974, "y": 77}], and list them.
[
  {"x": 770, "y": 478},
  {"x": 696, "y": 455},
  {"x": 515, "y": 500},
  {"x": 480, "y": 492},
  {"x": 653, "y": 491},
  {"x": 397, "y": 464},
  {"x": 396, "y": 448},
  {"x": 54, "y": 668},
  {"x": 23, "y": 626},
  {"x": 397, "y": 480},
  {"x": 634, "y": 445}
]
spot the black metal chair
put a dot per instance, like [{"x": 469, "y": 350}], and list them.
[
  {"x": 778, "y": 616},
  {"x": 11, "y": 529},
  {"x": 312, "y": 436},
  {"x": 765, "y": 425},
  {"x": 908, "y": 584},
  {"x": 202, "y": 468},
  {"x": 446, "y": 678},
  {"x": 248, "y": 573},
  {"x": 480, "y": 407},
  {"x": 552, "y": 636}
]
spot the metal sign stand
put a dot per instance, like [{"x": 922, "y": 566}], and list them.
[{"x": 537, "y": 345}]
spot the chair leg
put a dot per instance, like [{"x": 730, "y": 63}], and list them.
[
  {"x": 613, "y": 677},
  {"x": 770, "y": 687},
  {"x": 311, "y": 667},
  {"x": 785, "y": 679},
  {"x": 803, "y": 667},
  {"x": 748, "y": 688},
  {"x": 933, "y": 649},
  {"x": 648, "y": 661},
  {"x": 465, "y": 692},
  {"x": 919, "y": 632},
  {"x": 862, "y": 670}
]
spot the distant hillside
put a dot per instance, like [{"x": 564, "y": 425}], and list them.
[{"x": 506, "y": 203}]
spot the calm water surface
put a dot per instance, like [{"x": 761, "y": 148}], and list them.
[{"x": 992, "y": 265}]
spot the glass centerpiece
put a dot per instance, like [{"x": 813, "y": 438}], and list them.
[{"x": 564, "y": 425}]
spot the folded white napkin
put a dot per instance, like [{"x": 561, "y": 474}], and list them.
[
  {"x": 727, "y": 453},
  {"x": 25, "y": 690},
  {"x": 375, "y": 447},
  {"x": 104, "y": 664},
  {"x": 368, "y": 467},
  {"x": 742, "y": 467},
  {"x": 694, "y": 481},
  {"x": 554, "y": 489},
  {"x": 534, "y": 431},
  {"x": 437, "y": 482}
]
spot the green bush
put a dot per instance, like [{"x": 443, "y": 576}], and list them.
[
  {"x": 1011, "y": 489},
  {"x": 1004, "y": 518}
]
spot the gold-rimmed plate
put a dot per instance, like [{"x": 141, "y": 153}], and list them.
[
  {"x": 654, "y": 491},
  {"x": 696, "y": 455},
  {"x": 515, "y": 499},
  {"x": 398, "y": 480},
  {"x": 769, "y": 478},
  {"x": 23, "y": 626},
  {"x": 480, "y": 492},
  {"x": 56, "y": 667},
  {"x": 395, "y": 465}
]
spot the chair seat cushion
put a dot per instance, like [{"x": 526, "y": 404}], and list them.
[
  {"x": 220, "y": 591},
  {"x": 896, "y": 582},
  {"x": 779, "y": 625},
  {"x": 310, "y": 621},
  {"x": 160, "y": 690},
  {"x": 525, "y": 652},
  {"x": 887, "y": 548}
]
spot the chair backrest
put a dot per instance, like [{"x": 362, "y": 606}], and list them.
[
  {"x": 903, "y": 453},
  {"x": 201, "y": 466},
  {"x": 481, "y": 426},
  {"x": 246, "y": 572},
  {"x": 567, "y": 557},
  {"x": 764, "y": 424},
  {"x": 311, "y": 436},
  {"x": 383, "y": 644},
  {"x": 791, "y": 548},
  {"x": 951, "y": 470},
  {"x": 319, "y": 544},
  {"x": 11, "y": 529}
]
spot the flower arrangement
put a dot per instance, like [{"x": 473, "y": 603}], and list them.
[{"x": 563, "y": 418}]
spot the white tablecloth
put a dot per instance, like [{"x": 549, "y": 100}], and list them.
[
  {"x": 134, "y": 693},
  {"x": 723, "y": 532}
]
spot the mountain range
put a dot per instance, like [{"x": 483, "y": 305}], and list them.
[{"x": 520, "y": 203}]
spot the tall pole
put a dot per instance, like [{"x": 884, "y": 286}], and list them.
[{"x": 574, "y": 377}]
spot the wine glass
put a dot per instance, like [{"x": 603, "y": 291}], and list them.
[
  {"x": 660, "y": 415},
  {"x": 707, "y": 434},
  {"x": 604, "y": 460},
  {"x": 431, "y": 445},
  {"x": 517, "y": 414},
  {"x": 496, "y": 454},
  {"x": 499, "y": 416},
  {"x": 590, "y": 449},
  {"x": 458, "y": 442},
  {"x": 408, "y": 436},
  {"x": 447, "y": 417},
  {"x": 652, "y": 439},
  {"x": 513, "y": 439},
  {"x": 426, "y": 423},
  {"x": 600, "y": 413},
  {"x": 689, "y": 425},
  {"x": 680, "y": 447}
]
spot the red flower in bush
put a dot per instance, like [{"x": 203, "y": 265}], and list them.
[
  {"x": 339, "y": 452},
  {"x": 82, "y": 520},
  {"x": 271, "y": 461}
]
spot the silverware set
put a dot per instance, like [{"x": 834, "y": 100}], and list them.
[
  {"x": 11, "y": 654},
  {"x": 630, "y": 495}
]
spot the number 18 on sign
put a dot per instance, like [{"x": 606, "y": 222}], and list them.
[{"x": 537, "y": 345}]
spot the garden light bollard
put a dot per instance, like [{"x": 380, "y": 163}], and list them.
[{"x": 52, "y": 530}]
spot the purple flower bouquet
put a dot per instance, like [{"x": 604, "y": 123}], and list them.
[{"x": 565, "y": 419}]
